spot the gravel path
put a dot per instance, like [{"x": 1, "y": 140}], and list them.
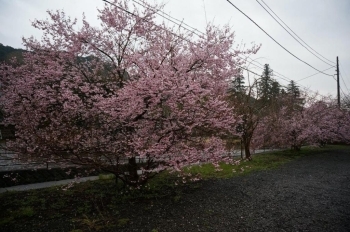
[{"x": 309, "y": 194}]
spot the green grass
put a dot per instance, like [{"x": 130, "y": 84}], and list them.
[
  {"x": 99, "y": 205},
  {"x": 106, "y": 176},
  {"x": 262, "y": 161}
]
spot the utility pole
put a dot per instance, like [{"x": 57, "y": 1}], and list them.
[{"x": 338, "y": 85}]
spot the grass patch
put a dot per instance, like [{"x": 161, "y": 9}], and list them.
[
  {"x": 261, "y": 161},
  {"x": 106, "y": 176},
  {"x": 123, "y": 222},
  {"x": 24, "y": 212}
]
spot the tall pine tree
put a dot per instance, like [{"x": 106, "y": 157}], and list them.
[
  {"x": 293, "y": 92},
  {"x": 237, "y": 85},
  {"x": 265, "y": 84},
  {"x": 293, "y": 89}
]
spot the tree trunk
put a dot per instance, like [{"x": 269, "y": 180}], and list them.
[
  {"x": 296, "y": 147},
  {"x": 246, "y": 143},
  {"x": 132, "y": 169},
  {"x": 248, "y": 156}
]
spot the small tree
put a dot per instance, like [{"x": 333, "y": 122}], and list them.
[{"x": 251, "y": 111}]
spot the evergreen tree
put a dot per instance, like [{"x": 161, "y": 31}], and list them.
[
  {"x": 293, "y": 89},
  {"x": 275, "y": 89},
  {"x": 294, "y": 92},
  {"x": 283, "y": 92},
  {"x": 237, "y": 85},
  {"x": 265, "y": 84}
]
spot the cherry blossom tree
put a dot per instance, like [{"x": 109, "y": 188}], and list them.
[
  {"x": 247, "y": 106},
  {"x": 128, "y": 90},
  {"x": 253, "y": 103},
  {"x": 317, "y": 123}
]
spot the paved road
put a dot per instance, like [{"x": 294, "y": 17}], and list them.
[
  {"x": 61, "y": 182},
  {"x": 46, "y": 184}
]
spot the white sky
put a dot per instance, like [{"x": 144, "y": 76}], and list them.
[{"x": 322, "y": 24}]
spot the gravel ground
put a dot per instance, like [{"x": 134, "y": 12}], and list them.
[{"x": 309, "y": 194}]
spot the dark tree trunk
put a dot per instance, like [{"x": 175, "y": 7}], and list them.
[
  {"x": 296, "y": 147},
  {"x": 248, "y": 156},
  {"x": 246, "y": 143},
  {"x": 132, "y": 169}
]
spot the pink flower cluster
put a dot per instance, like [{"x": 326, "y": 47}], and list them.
[{"x": 129, "y": 88}]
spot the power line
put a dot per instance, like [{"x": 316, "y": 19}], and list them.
[
  {"x": 345, "y": 97},
  {"x": 276, "y": 40},
  {"x": 343, "y": 93},
  {"x": 341, "y": 66},
  {"x": 176, "y": 35},
  {"x": 203, "y": 34},
  {"x": 283, "y": 77},
  {"x": 171, "y": 21},
  {"x": 315, "y": 74},
  {"x": 249, "y": 71},
  {"x": 280, "y": 76},
  {"x": 344, "y": 83},
  {"x": 290, "y": 33},
  {"x": 171, "y": 18},
  {"x": 295, "y": 33},
  {"x": 195, "y": 29}
]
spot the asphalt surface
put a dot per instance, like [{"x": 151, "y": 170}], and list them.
[{"x": 46, "y": 184}]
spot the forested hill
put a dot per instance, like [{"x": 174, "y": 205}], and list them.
[{"x": 7, "y": 53}]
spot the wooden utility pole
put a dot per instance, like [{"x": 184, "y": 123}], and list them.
[{"x": 338, "y": 85}]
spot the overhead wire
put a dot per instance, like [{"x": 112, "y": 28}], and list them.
[
  {"x": 121, "y": 8},
  {"x": 293, "y": 33},
  {"x": 345, "y": 96},
  {"x": 262, "y": 68},
  {"x": 341, "y": 67},
  {"x": 173, "y": 21},
  {"x": 341, "y": 76},
  {"x": 275, "y": 72},
  {"x": 275, "y": 40},
  {"x": 184, "y": 26},
  {"x": 169, "y": 16},
  {"x": 279, "y": 75},
  {"x": 287, "y": 78},
  {"x": 315, "y": 74}
]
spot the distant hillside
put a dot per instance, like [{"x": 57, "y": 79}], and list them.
[{"x": 7, "y": 53}]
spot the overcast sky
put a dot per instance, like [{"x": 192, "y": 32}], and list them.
[{"x": 322, "y": 24}]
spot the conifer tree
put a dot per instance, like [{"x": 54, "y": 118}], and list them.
[{"x": 265, "y": 84}]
